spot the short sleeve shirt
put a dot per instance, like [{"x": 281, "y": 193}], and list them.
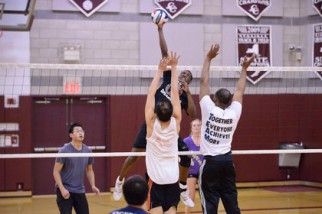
[
  {"x": 73, "y": 171},
  {"x": 196, "y": 160},
  {"x": 218, "y": 126}
]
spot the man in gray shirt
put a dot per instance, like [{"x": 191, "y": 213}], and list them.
[{"x": 69, "y": 174}]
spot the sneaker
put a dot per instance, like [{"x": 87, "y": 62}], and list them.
[
  {"x": 118, "y": 192},
  {"x": 186, "y": 199}
]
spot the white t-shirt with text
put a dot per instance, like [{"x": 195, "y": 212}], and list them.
[{"x": 218, "y": 126}]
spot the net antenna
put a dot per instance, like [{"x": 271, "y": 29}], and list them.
[
  {"x": 16, "y": 15},
  {"x": 1, "y": 9},
  {"x": 1, "y": 14}
]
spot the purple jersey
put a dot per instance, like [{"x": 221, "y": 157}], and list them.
[{"x": 196, "y": 160}]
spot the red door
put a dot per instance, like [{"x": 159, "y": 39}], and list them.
[{"x": 50, "y": 120}]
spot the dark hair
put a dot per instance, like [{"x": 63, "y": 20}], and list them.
[
  {"x": 223, "y": 96},
  {"x": 135, "y": 190},
  {"x": 164, "y": 110},
  {"x": 72, "y": 126}
]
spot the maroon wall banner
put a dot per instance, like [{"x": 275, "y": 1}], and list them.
[
  {"x": 254, "y": 8},
  {"x": 317, "y": 48},
  {"x": 173, "y": 7},
  {"x": 254, "y": 39},
  {"x": 317, "y": 4},
  {"x": 88, "y": 7}
]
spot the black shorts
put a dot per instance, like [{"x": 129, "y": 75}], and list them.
[
  {"x": 193, "y": 176},
  {"x": 166, "y": 195},
  {"x": 140, "y": 141}
]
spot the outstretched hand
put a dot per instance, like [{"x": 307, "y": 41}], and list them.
[
  {"x": 173, "y": 58},
  {"x": 213, "y": 52},
  {"x": 163, "y": 64},
  {"x": 247, "y": 61}
]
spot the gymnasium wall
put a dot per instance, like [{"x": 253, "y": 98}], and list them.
[
  {"x": 15, "y": 171},
  {"x": 266, "y": 122},
  {"x": 126, "y": 36}
]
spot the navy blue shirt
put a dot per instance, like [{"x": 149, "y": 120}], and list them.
[
  {"x": 129, "y": 210},
  {"x": 164, "y": 91}
]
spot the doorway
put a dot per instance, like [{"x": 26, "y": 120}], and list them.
[{"x": 51, "y": 118}]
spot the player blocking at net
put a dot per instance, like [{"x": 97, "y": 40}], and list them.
[
  {"x": 187, "y": 103},
  {"x": 220, "y": 116},
  {"x": 163, "y": 120}
]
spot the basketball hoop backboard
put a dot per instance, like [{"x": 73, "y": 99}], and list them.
[{"x": 16, "y": 15}]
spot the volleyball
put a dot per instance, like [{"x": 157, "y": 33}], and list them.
[{"x": 159, "y": 16}]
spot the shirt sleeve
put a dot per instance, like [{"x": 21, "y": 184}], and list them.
[
  {"x": 90, "y": 159},
  {"x": 61, "y": 159},
  {"x": 206, "y": 103},
  {"x": 237, "y": 108}
]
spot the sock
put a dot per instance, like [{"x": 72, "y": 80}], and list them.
[
  {"x": 183, "y": 186},
  {"x": 119, "y": 180}
]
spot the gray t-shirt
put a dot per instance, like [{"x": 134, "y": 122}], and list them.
[{"x": 73, "y": 171}]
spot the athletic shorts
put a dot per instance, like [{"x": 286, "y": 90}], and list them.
[
  {"x": 193, "y": 176},
  {"x": 140, "y": 141},
  {"x": 166, "y": 195}
]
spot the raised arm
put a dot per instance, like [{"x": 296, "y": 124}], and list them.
[
  {"x": 241, "y": 84},
  {"x": 150, "y": 100},
  {"x": 204, "y": 79},
  {"x": 162, "y": 42},
  {"x": 175, "y": 100}
]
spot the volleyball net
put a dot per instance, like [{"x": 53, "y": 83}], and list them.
[
  {"x": 139, "y": 154},
  {"x": 95, "y": 80},
  {"x": 72, "y": 79}
]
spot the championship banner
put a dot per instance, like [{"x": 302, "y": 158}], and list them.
[
  {"x": 88, "y": 7},
  {"x": 317, "y": 4},
  {"x": 254, "y": 8},
  {"x": 317, "y": 48},
  {"x": 173, "y": 7},
  {"x": 254, "y": 39}
]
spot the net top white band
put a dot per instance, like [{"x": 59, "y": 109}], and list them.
[
  {"x": 151, "y": 67},
  {"x": 126, "y": 154}
]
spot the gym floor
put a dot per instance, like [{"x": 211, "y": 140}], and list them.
[{"x": 263, "y": 200}]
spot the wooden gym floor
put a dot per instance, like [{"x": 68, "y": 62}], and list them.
[{"x": 293, "y": 199}]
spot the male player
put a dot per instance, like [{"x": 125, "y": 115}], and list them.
[
  {"x": 139, "y": 145},
  {"x": 220, "y": 116}
]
